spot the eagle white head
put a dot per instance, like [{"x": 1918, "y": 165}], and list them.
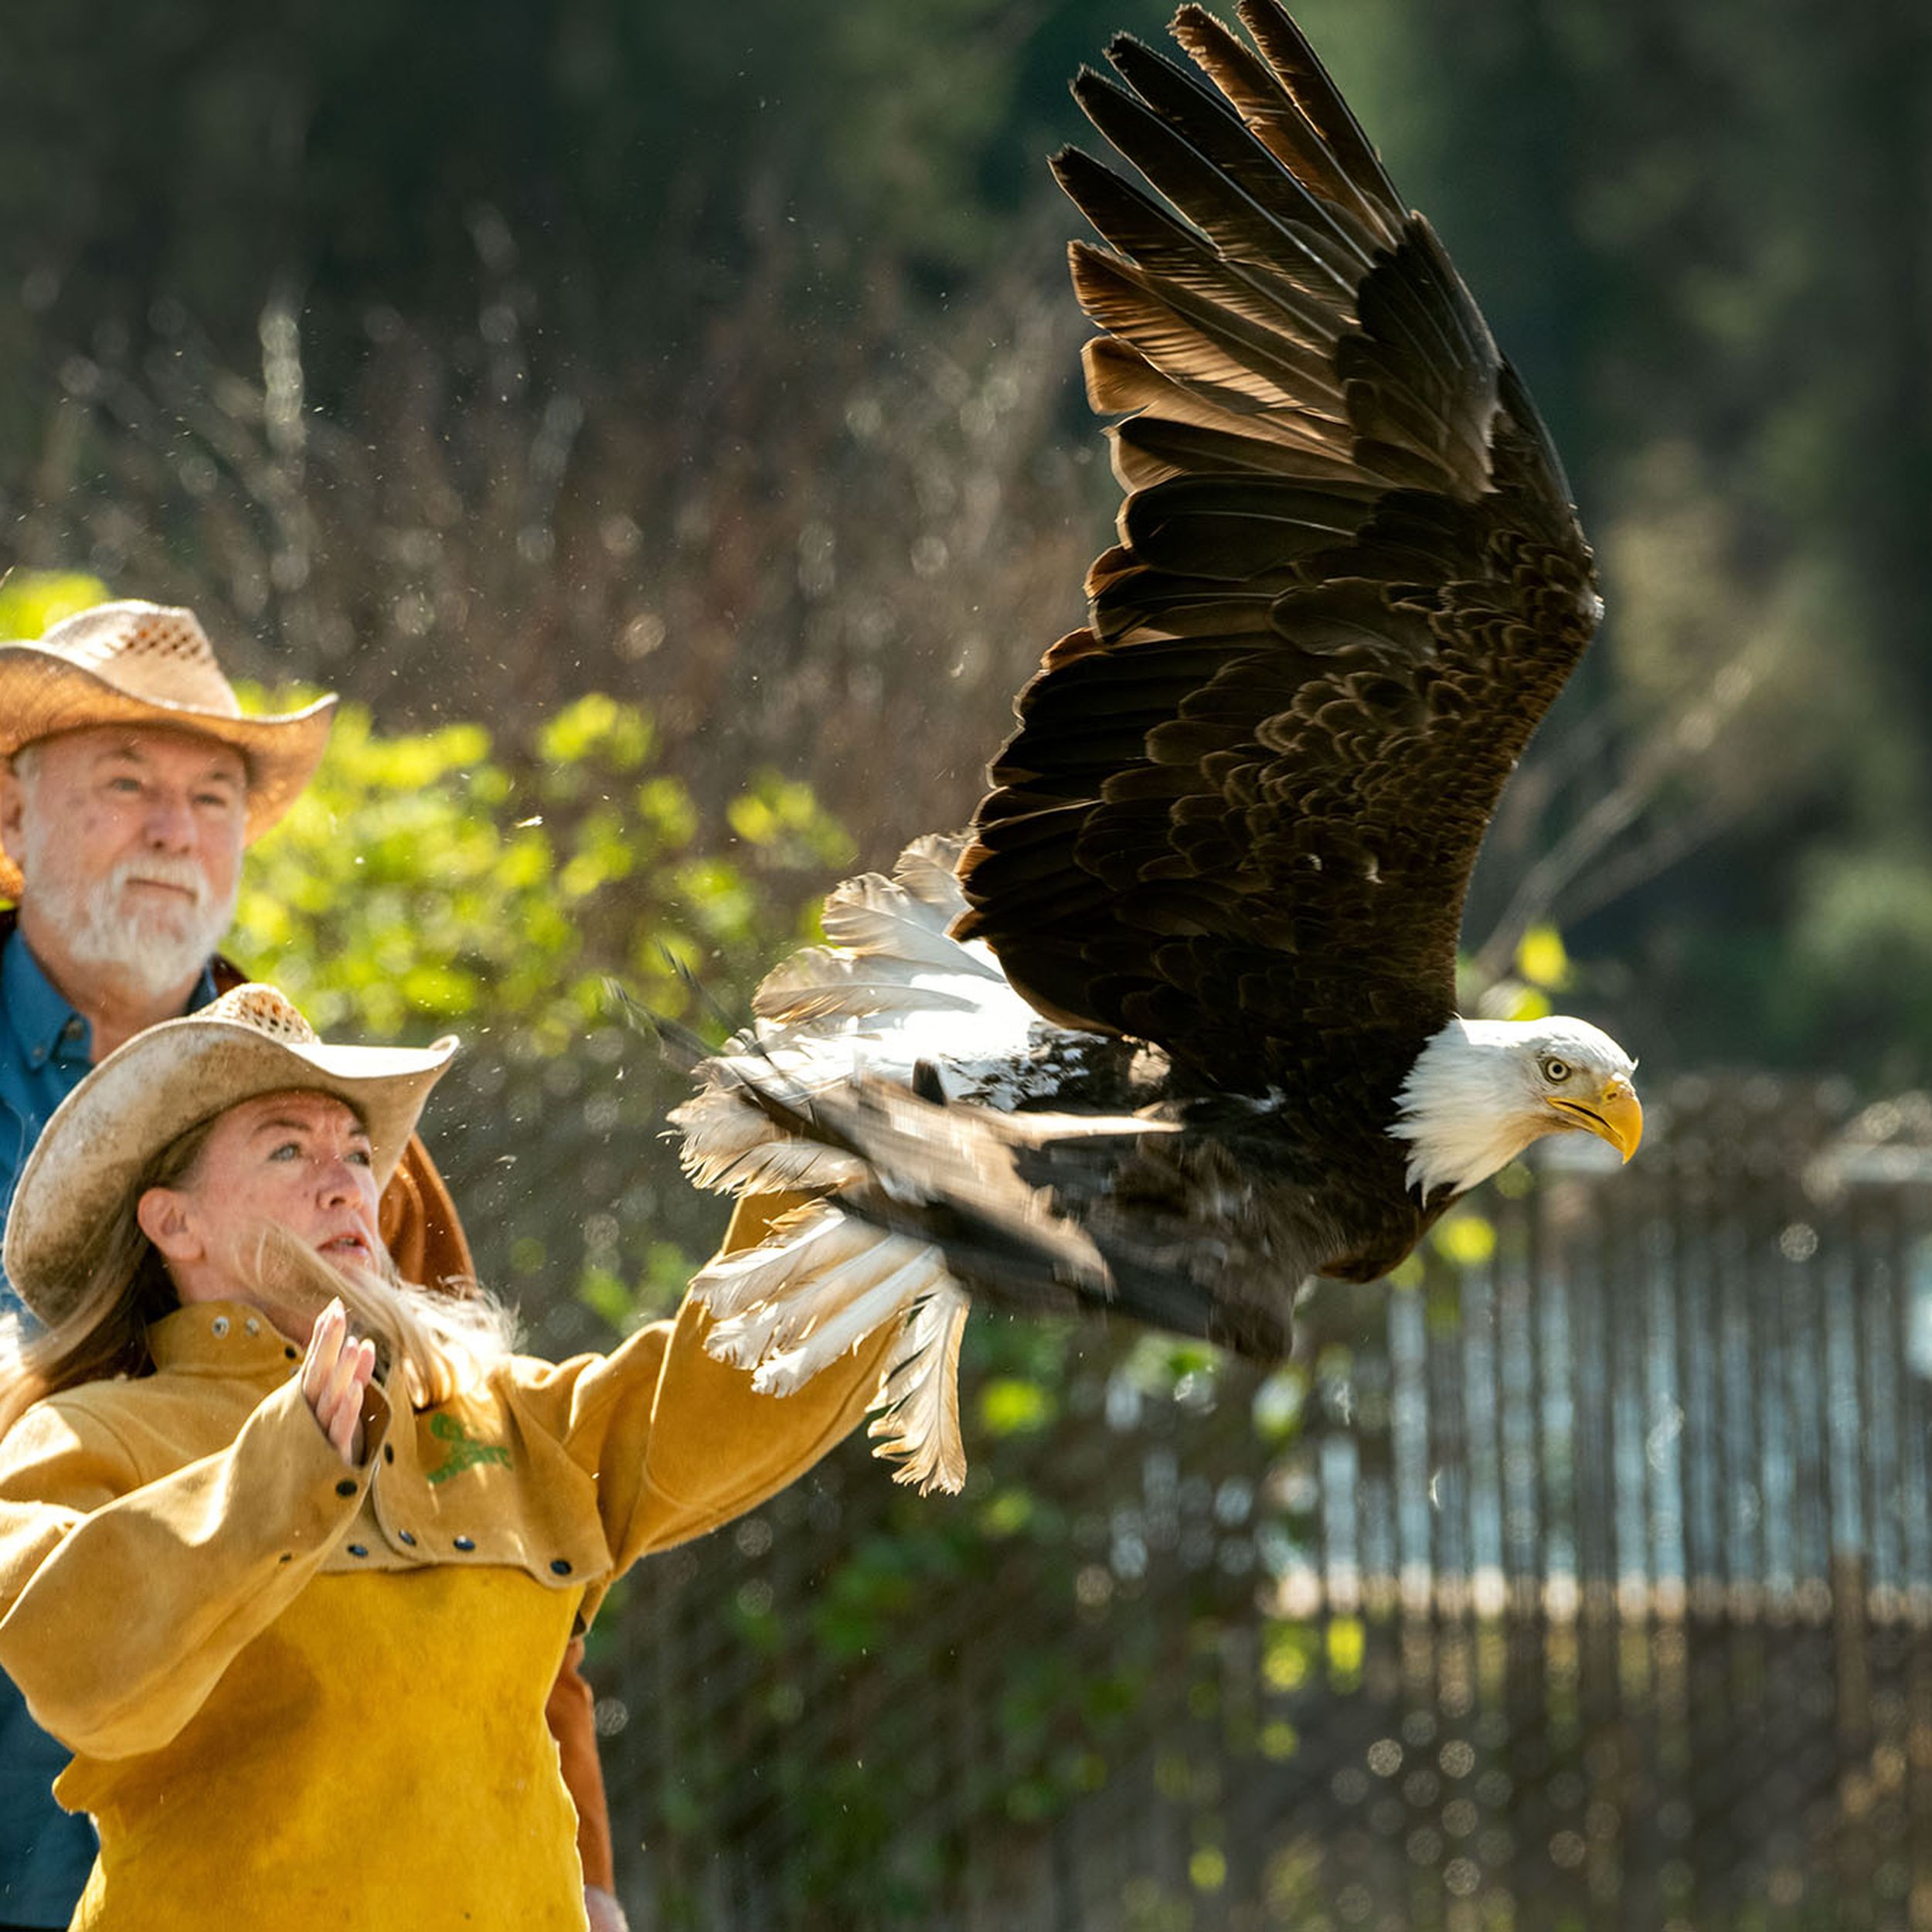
[{"x": 1482, "y": 1090}]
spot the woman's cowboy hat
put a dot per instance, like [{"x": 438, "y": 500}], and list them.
[
  {"x": 146, "y": 664},
  {"x": 81, "y": 1176}
]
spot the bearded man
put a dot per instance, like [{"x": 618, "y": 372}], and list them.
[{"x": 129, "y": 784}]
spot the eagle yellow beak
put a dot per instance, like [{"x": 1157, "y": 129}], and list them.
[{"x": 1616, "y": 1115}]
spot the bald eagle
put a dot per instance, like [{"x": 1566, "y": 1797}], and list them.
[{"x": 1174, "y": 1027}]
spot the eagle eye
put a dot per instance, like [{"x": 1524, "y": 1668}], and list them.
[{"x": 1555, "y": 1071}]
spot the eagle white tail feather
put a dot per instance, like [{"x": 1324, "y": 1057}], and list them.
[
  {"x": 731, "y": 1149},
  {"x": 917, "y": 1424},
  {"x": 788, "y": 1369},
  {"x": 807, "y": 1239},
  {"x": 837, "y": 1305},
  {"x": 878, "y": 918},
  {"x": 893, "y": 990},
  {"x": 928, "y": 870},
  {"x": 811, "y": 1291},
  {"x": 820, "y": 983}
]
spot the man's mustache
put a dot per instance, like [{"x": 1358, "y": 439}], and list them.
[{"x": 159, "y": 869}]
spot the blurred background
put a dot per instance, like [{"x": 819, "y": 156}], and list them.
[{"x": 664, "y": 427}]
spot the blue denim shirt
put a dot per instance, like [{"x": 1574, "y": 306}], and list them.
[{"x": 46, "y": 1047}]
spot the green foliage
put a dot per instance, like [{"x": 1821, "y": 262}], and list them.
[
  {"x": 1008, "y": 1404},
  {"x": 1542, "y": 968},
  {"x": 1464, "y": 1239},
  {"x": 32, "y": 601},
  {"x": 1859, "y": 964},
  {"x": 433, "y": 879}
]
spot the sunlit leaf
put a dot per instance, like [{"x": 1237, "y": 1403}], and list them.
[
  {"x": 1207, "y": 1869},
  {"x": 1008, "y": 1405},
  {"x": 1465, "y": 1240},
  {"x": 32, "y": 602},
  {"x": 1006, "y": 1513},
  {"x": 1347, "y": 1643},
  {"x": 1541, "y": 959}
]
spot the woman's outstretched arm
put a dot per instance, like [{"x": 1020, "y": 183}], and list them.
[{"x": 679, "y": 1443}]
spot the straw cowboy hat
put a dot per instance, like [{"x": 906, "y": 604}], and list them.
[
  {"x": 149, "y": 664},
  {"x": 81, "y": 1175}
]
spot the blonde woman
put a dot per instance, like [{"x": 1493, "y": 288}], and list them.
[{"x": 288, "y": 1557}]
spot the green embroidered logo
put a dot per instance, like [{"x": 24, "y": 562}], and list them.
[{"x": 465, "y": 1451}]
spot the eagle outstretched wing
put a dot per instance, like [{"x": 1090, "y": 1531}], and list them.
[
  {"x": 1236, "y": 827},
  {"x": 1240, "y": 814}
]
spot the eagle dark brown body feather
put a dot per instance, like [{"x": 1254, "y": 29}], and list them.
[{"x": 1207, "y": 1228}]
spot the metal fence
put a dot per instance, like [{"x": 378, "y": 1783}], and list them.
[{"x": 1586, "y": 1582}]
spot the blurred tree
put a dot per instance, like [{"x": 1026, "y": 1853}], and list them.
[
  {"x": 753, "y": 554},
  {"x": 630, "y": 161}
]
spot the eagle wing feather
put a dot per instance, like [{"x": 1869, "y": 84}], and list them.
[{"x": 1239, "y": 813}]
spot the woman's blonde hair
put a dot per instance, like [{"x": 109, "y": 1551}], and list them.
[{"x": 429, "y": 1345}]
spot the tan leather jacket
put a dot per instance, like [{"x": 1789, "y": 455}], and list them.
[{"x": 313, "y": 1695}]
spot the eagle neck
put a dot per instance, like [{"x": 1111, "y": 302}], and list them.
[{"x": 1460, "y": 1111}]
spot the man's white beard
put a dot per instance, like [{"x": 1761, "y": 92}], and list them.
[{"x": 150, "y": 943}]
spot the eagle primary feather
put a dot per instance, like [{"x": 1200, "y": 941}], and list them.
[{"x": 1177, "y": 1028}]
